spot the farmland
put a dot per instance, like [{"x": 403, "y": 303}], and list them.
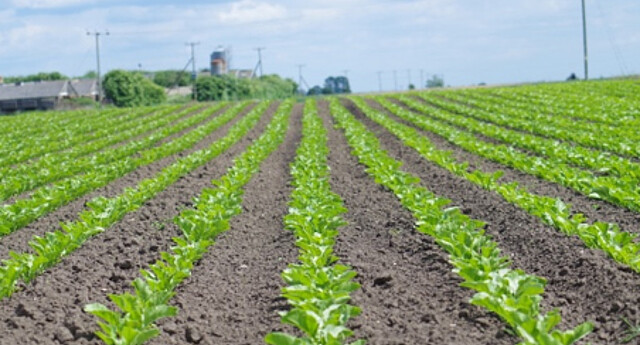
[{"x": 474, "y": 216}]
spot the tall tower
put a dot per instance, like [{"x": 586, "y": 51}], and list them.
[{"x": 219, "y": 62}]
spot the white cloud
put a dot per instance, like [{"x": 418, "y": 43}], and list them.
[
  {"x": 248, "y": 11},
  {"x": 47, "y": 3}
]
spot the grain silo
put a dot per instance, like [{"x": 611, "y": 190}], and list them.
[{"x": 219, "y": 62}]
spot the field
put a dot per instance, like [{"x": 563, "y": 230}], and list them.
[{"x": 473, "y": 216}]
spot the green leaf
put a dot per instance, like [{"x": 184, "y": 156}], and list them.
[{"x": 277, "y": 338}]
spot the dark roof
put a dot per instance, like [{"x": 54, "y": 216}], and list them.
[
  {"x": 84, "y": 87},
  {"x": 40, "y": 89}
]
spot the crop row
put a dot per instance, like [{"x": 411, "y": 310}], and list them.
[
  {"x": 619, "y": 245},
  {"x": 53, "y": 167},
  {"x": 318, "y": 287},
  {"x": 556, "y": 151},
  {"x": 103, "y": 212},
  {"x": 134, "y": 323},
  {"x": 577, "y": 102},
  {"x": 555, "y": 106},
  {"x": 44, "y": 200},
  {"x": 32, "y": 146},
  {"x": 16, "y": 128},
  {"x": 512, "y": 294},
  {"x": 525, "y": 120},
  {"x": 569, "y": 124},
  {"x": 622, "y": 191}
]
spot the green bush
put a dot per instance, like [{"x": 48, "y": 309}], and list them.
[
  {"x": 128, "y": 89},
  {"x": 225, "y": 87}
]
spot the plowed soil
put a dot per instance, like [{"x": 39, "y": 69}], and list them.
[{"x": 408, "y": 295}]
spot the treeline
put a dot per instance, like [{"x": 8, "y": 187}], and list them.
[
  {"x": 42, "y": 76},
  {"x": 137, "y": 88},
  {"x": 215, "y": 88}
]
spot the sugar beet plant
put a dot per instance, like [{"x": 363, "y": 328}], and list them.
[
  {"x": 54, "y": 167},
  {"x": 318, "y": 287},
  {"x": 103, "y": 212},
  {"x": 608, "y": 237},
  {"x": 135, "y": 322},
  {"x": 623, "y": 191},
  {"x": 512, "y": 294},
  {"x": 48, "y": 198}
]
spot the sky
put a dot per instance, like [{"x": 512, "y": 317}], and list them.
[{"x": 465, "y": 41}]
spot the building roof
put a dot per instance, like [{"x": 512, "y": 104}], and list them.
[
  {"x": 84, "y": 87},
  {"x": 39, "y": 89}
]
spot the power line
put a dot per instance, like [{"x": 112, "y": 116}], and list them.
[
  {"x": 99, "y": 83},
  {"x": 612, "y": 41},
  {"x": 193, "y": 68}
]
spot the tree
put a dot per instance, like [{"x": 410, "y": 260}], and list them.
[
  {"x": 435, "y": 81},
  {"x": 89, "y": 75},
  {"x": 129, "y": 89},
  {"x": 226, "y": 87},
  {"x": 332, "y": 85},
  {"x": 170, "y": 78},
  {"x": 42, "y": 76}
]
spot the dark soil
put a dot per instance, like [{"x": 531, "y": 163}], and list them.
[
  {"x": 595, "y": 210},
  {"x": 18, "y": 240},
  {"x": 409, "y": 294},
  {"x": 49, "y": 310},
  {"x": 233, "y": 295},
  {"x": 583, "y": 284}
]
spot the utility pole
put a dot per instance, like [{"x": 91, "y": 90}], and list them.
[
  {"x": 259, "y": 49},
  {"x": 584, "y": 42},
  {"x": 194, "y": 75},
  {"x": 300, "y": 78},
  {"x": 99, "y": 82},
  {"x": 380, "y": 80},
  {"x": 395, "y": 79}
]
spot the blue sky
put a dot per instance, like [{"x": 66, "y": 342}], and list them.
[{"x": 468, "y": 42}]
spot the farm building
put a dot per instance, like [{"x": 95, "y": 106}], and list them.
[{"x": 43, "y": 95}]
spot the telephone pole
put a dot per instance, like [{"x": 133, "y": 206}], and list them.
[
  {"x": 99, "y": 82},
  {"x": 259, "y": 49},
  {"x": 300, "y": 78},
  {"x": 584, "y": 42},
  {"x": 194, "y": 75}
]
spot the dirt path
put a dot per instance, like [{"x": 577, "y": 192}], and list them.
[
  {"x": 18, "y": 240},
  {"x": 409, "y": 294},
  {"x": 584, "y": 284},
  {"x": 233, "y": 295},
  {"x": 49, "y": 310}
]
